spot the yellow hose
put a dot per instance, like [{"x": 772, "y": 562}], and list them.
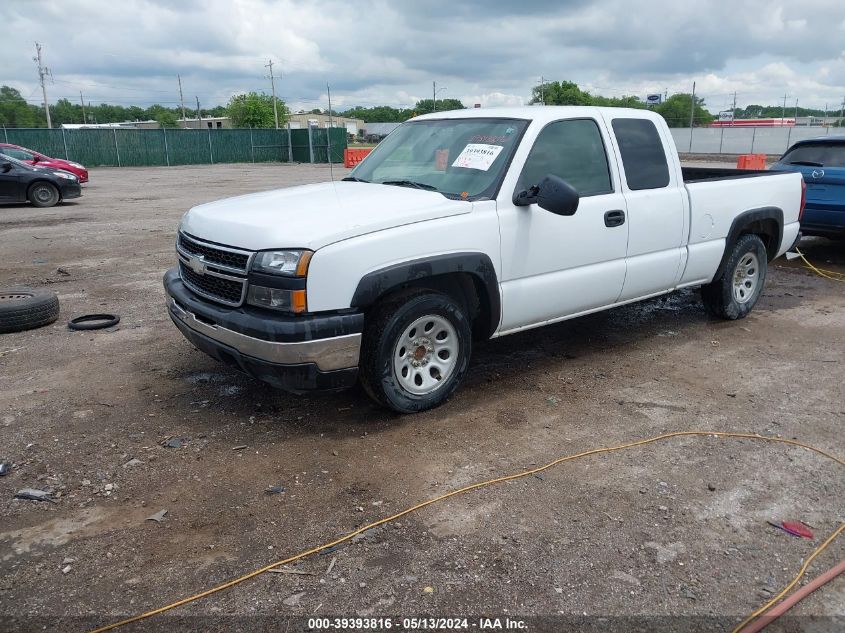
[
  {"x": 489, "y": 482},
  {"x": 827, "y": 274}
]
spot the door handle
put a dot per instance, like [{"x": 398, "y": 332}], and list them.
[{"x": 614, "y": 218}]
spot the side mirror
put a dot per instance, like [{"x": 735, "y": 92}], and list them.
[
  {"x": 5, "y": 167},
  {"x": 553, "y": 194},
  {"x": 557, "y": 196},
  {"x": 35, "y": 158}
]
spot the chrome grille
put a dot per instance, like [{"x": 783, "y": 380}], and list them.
[
  {"x": 225, "y": 258},
  {"x": 213, "y": 271},
  {"x": 228, "y": 291}
]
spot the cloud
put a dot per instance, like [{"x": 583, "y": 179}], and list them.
[{"x": 375, "y": 51}]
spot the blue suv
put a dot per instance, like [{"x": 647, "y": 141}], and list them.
[{"x": 822, "y": 163}]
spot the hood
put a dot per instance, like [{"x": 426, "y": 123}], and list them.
[{"x": 312, "y": 216}]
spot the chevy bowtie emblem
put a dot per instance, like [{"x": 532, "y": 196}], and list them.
[{"x": 197, "y": 264}]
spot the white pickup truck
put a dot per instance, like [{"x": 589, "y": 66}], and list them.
[{"x": 469, "y": 224}]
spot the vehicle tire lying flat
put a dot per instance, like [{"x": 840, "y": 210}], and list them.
[
  {"x": 736, "y": 291},
  {"x": 415, "y": 351},
  {"x": 26, "y": 308}
]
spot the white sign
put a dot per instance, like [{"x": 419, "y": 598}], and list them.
[
  {"x": 726, "y": 115},
  {"x": 477, "y": 156},
  {"x": 654, "y": 99}
]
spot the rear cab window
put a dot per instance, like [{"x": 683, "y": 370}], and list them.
[
  {"x": 821, "y": 154},
  {"x": 643, "y": 156}
]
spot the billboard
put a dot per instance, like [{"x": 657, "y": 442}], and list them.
[
  {"x": 726, "y": 115},
  {"x": 654, "y": 99}
]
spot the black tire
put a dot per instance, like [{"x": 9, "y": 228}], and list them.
[
  {"x": 26, "y": 308},
  {"x": 732, "y": 295},
  {"x": 43, "y": 194},
  {"x": 385, "y": 327}
]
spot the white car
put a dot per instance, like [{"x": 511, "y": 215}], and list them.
[{"x": 462, "y": 225}]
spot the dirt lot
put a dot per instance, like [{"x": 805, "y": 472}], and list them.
[{"x": 668, "y": 532}]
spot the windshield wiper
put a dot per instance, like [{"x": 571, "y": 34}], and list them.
[
  {"x": 410, "y": 183},
  {"x": 355, "y": 179},
  {"x": 806, "y": 163}
]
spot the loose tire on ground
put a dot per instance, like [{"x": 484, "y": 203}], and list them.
[
  {"x": 415, "y": 351},
  {"x": 43, "y": 194},
  {"x": 735, "y": 293},
  {"x": 27, "y": 308}
]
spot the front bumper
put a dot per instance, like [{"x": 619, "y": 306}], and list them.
[
  {"x": 70, "y": 190},
  {"x": 316, "y": 352}
]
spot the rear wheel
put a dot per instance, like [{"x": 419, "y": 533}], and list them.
[
  {"x": 43, "y": 194},
  {"x": 415, "y": 351},
  {"x": 735, "y": 293}
]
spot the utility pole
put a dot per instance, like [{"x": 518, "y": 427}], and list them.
[
  {"x": 796, "y": 110},
  {"x": 269, "y": 65},
  {"x": 43, "y": 72},
  {"x": 82, "y": 103},
  {"x": 181, "y": 99},
  {"x": 783, "y": 112},
  {"x": 434, "y": 96},
  {"x": 733, "y": 110},
  {"x": 199, "y": 115},
  {"x": 329, "y": 133},
  {"x": 542, "y": 90},
  {"x": 842, "y": 111},
  {"x": 691, "y": 115}
]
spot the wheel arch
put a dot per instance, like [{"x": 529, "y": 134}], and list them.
[
  {"x": 467, "y": 277},
  {"x": 765, "y": 222}
]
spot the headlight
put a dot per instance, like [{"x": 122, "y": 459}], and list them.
[
  {"x": 77, "y": 165},
  {"x": 288, "y": 263},
  {"x": 67, "y": 176}
]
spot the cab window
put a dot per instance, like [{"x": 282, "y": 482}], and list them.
[
  {"x": 642, "y": 154},
  {"x": 572, "y": 150}
]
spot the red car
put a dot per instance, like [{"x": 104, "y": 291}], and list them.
[{"x": 32, "y": 157}]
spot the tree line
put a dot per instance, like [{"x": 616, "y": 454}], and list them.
[{"x": 255, "y": 109}]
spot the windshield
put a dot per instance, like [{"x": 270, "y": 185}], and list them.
[
  {"x": 463, "y": 159},
  {"x": 816, "y": 154}
]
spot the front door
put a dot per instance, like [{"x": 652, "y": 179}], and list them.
[
  {"x": 557, "y": 266},
  {"x": 10, "y": 184}
]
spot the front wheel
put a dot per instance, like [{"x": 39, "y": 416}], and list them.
[
  {"x": 415, "y": 351},
  {"x": 736, "y": 291},
  {"x": 43, "y": 194}
]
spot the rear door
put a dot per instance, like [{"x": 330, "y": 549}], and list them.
[
  {"x": 822, "y": 163},
  {"x": 655, "y": 199}
]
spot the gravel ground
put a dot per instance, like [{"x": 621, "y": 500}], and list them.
[{"x": 673, "y": 533}]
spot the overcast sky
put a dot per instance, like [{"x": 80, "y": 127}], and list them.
[{"x": 373, "y": 52}]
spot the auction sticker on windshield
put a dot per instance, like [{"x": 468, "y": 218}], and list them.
[{"x": 477, "y": 156}]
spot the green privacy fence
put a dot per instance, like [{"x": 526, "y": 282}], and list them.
[{"x": 126, "y": 147}]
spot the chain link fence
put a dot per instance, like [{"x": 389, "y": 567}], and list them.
[{"x": 127, "y": 147}]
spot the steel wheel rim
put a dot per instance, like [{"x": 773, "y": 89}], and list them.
[
  {"x": 426, "y": 354},
  {"x": 746, "y": 277},
  {"x": 14, "y": 296},
  {"x": 43, "y": 194}
]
